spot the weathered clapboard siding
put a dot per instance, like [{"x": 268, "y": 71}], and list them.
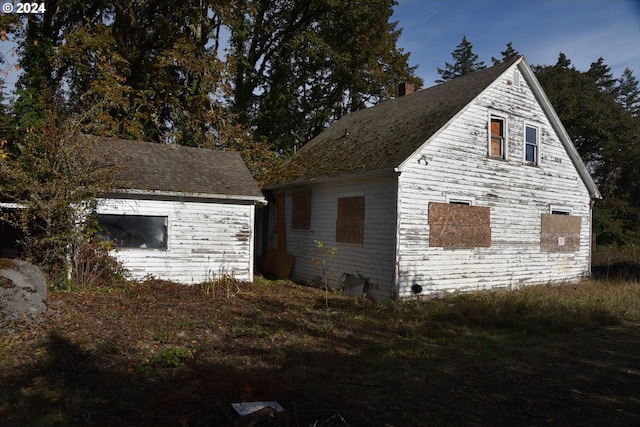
[
  {"x": 205, "y": 240},
  {"x": 373, "y": 259},
  {"x": 434, "y": 146},
  {"x": 517, "y": 193}
]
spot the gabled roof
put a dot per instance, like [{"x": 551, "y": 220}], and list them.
[
  {"x": 173, "y": 170},
  {"x": 382, "y": 137}
]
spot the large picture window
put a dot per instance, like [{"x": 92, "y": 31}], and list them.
[{"x": 135, "y": 231}]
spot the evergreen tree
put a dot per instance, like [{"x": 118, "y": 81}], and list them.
[
  {"x": 36, "y": 82},
  {"x": 602, "y": 75},
  {"x": 507, "y": 54},
  {"x": 606, "y": 137},
  {"x": 465, "y": 62},
  {"x": 563, "y": 61},
  {"x": 629, "y": 92}
]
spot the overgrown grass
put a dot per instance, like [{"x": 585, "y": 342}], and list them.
[{"x": 156, "y": 353}]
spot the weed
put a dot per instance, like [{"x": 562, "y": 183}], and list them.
[
  {"x": 173, "y": 357},
  {"x": 324, "y": 260},
  {"x": 223, "y": 282},
  {"x": 159, "y": 364}
]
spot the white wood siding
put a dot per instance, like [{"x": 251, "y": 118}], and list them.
[
  {"x": 205, "y": 240},
  {"x": 373, "y": 259},
  {"x": 518, "y": 194}
]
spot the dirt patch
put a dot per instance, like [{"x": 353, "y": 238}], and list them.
[{"x": 161, "y": 354}]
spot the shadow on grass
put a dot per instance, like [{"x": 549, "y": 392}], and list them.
[{"x": 459, "y": 361}]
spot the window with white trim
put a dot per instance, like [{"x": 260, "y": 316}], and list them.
[
  {"x": 531, "y": 144},
  {"x": 135, "y": 231},
  {"x": 497, "y": 137}
]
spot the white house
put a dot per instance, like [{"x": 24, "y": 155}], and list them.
[
  {"x": 469, "y": 184},
  {"x": 187, "y": 215}
]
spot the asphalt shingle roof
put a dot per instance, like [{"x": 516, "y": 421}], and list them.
[
  {"x": 383, "y": 136},
  {"x": 174, "y": 168}
]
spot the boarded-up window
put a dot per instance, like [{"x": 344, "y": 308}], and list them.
[
  {"x": 350, "y": 223},
  {"x": 459, "y": 226},
  {"x": 301, "y": 210},
  {"x": 560, "y": 233},
  {"x": 497, "y": 137}
]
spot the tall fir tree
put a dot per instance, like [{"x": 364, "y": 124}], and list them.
[
  {"x": 606, "y": 137},
  {"x": 507, "y": 54},
  {"x": 466, "y": 61},
  {"x": 602, "y": 75},
  {"x": 629, "y": 92}
]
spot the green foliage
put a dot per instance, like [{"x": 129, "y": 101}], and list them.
[
  {"x": 160, "y": 364},
  {"x": 157, "y": 69},
  {"x": 297, "y": 66},
  {"x": 466, "y": 61},
  {"x": 53, "y": 174},
  {"x": 91, "y": 258},
  {"x": 601, "y": 74},
  {"x": 608, "y": 140},
  {"x": 507, "y": 54},
  {"x": 629, "y": 92}
]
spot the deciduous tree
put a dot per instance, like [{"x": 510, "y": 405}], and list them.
[
  {"x": 50, "y": 174},
  {"x": 300, "y": 65}
]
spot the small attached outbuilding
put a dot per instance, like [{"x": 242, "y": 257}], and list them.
[
  {"x": 187, "y": 214},
  {"x": 470, "y": 184}
]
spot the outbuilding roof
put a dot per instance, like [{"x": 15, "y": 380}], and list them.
[
  {"x": 178, "y": 170},
  {"x": 382, "y": 137}
]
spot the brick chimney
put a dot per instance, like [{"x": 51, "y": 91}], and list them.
[{"x": 406, "y": 89}]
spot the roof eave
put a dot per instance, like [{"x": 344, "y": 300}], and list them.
[
  {"x": 180, "y": 195},
  {"x": 367, "y": 174},
  {"x": 557, "y": 125}
]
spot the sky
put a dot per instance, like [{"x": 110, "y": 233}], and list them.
[{"x": 584, "y": 30}]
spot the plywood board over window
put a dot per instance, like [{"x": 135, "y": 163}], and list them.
[
  {"x": 350, "y": 222},
  {"x": 560, "y": 233},
  {"x": 301, "y": 210},
  {"x": 497, "y": 137},
  {"x": 455, "y": 225}
]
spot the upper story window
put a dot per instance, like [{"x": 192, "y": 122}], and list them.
[
  {"x": 497, "y": 137},
  {"x": 531, "y": 144}
]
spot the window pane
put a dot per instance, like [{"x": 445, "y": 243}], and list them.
[
  {"x": 531, "y": 135},
  {"x": 135, "y": 231},
  {"x": 531, "y": 153}
]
